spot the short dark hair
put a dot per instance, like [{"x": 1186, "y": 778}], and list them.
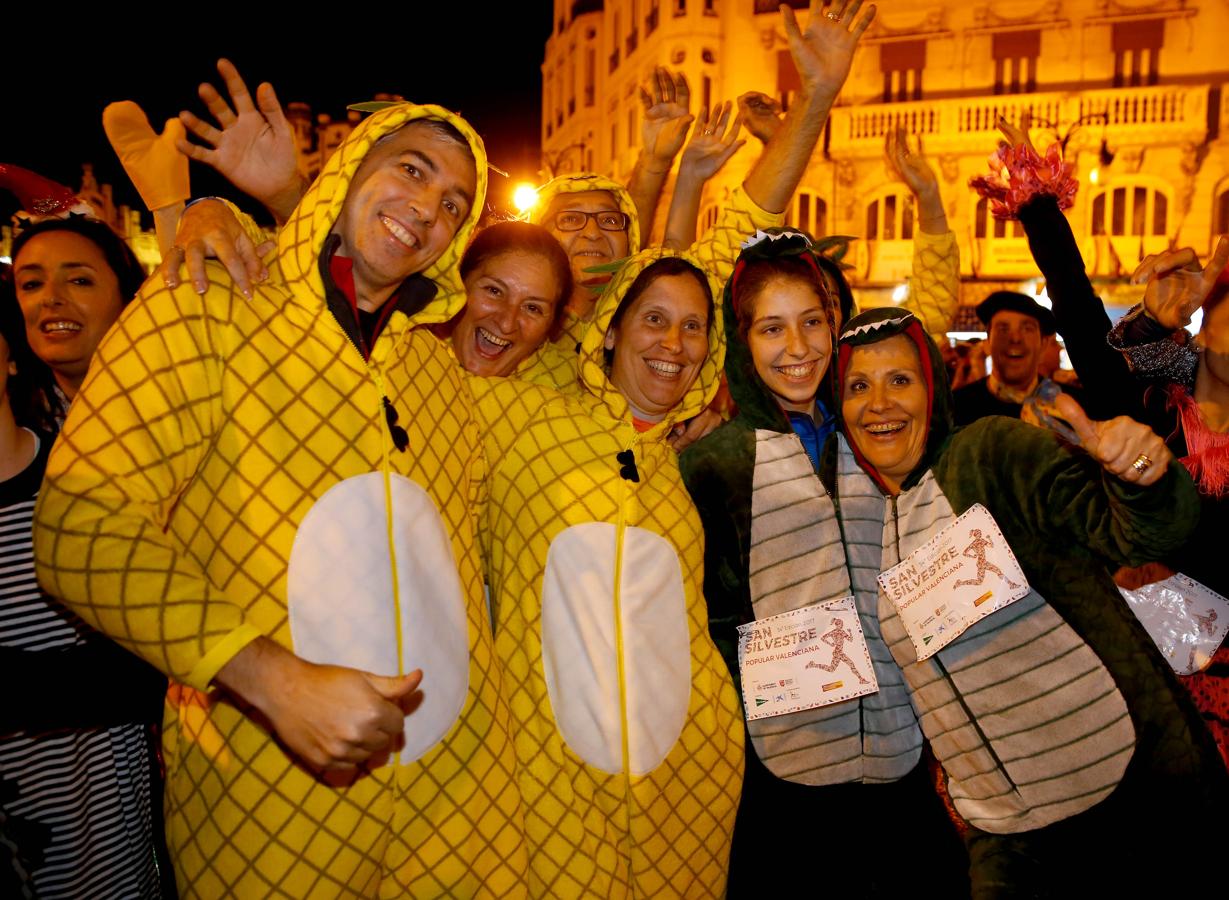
[
  {"x": 119, "y": 255},
  {"x": 522, "y": 237},
  {"x": 441, "y": 127},
  {"x": 662, "y": 268}
]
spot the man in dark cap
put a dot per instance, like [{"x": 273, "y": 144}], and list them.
[{"x": 1020, "y": 331}]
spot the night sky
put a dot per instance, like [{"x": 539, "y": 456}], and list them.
[{"x": 57, "y": 85}]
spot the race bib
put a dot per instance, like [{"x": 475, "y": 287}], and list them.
[
  {"x": 960, "y": 576},
  {"x": 1185, "y": 619},
  {"x": 804, "y": 658}
]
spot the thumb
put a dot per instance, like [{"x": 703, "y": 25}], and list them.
[
  {"x": 1084, "y": 426},
  {"x": 126, "y": 124},
  {"x": 173, "y": 131},
  {"x": 394, "y": 687}
]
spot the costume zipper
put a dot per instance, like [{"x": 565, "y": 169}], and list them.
[{"x": 626, "y": 459}]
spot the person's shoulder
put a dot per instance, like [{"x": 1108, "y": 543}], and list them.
[{"x": 721, "y": 454}]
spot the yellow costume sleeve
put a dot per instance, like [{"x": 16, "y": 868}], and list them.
[
  {"x": 934, "y": 294},
  {"x": 738, "y": 220},
  {"x": 132, "y": 441}
]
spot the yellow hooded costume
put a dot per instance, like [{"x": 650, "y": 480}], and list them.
[
  {"x": 227, "y": 472},
  {"x": 628, "y": 732},
  {"x": 554, "y": 365}
]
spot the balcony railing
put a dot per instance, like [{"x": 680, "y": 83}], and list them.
[{"x": 1165, "y": 113}]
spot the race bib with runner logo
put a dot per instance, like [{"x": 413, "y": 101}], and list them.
[
  {"x": 960, "y": 576},
  {"x": 804, "y": 658},
  {"x": 1185, "y": 619}
]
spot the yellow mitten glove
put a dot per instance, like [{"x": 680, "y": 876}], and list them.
[{"x": 153, "y": 162}]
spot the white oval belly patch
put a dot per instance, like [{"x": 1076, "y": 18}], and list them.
[
  {"x": 341, "y": 596},
  {"x": 579, "y": 650}
]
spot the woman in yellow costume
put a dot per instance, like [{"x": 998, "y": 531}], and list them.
[
  {"x": 273, "y": 501},
  {"x": 628, "y": 735}
]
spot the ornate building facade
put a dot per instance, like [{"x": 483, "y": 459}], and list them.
[{"x": 1134, "y": 89}]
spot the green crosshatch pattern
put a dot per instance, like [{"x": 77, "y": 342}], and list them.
[{"x": 207, "y": 429}]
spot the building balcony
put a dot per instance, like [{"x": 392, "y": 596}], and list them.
[{"x": 1170, "y": 114}]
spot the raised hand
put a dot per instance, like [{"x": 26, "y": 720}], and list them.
[
  {"x": 1128, "y": 449},
  {"x": 712, "y": 143},
  {"x": 760, "y": 113},
  {"x": 254, "y": 149},
  {"x": 823, "y": 52},
  {"x": 153, "y": 161},
  {"x": 666, "y": 115},
  {"x": 1177, "y": 286},
  {"x": 913, "y": 169}
]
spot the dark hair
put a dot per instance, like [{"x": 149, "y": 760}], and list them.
[
  {"x": 119, "y": 255},
  {"x": 756, "y": 274},
  {"x": 522, "y": 237},
  {"x": 443, "y": 128},
  {"x": 31, "y": 392},
  {"x": 662, "y": 268}
]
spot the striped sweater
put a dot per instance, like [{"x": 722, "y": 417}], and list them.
[{"x": 77, "y": 803}]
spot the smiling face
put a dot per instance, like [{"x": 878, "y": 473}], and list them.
[
  {"x": 510, "y": 305},
  {"x": 790, "y": 341},
  {"x": 69, "y": 297},
  {"x": 660, "y": 344},
  {"x": 591, "y": 245},
  {"x": 1016, "y": 345},
  {"x": 884, "y": 404},
  {"x": 409, "y": 197}
]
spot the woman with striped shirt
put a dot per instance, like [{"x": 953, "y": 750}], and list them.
[{"x": 79, "y": 790}]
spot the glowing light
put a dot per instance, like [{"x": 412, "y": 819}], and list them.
[
  {"x": 1094, "y": 176},
  {"x": 524, "y": 197},
  {"x": 899, "y": 293}
]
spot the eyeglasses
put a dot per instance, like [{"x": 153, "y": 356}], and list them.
[{"x": 607, "y": 220}]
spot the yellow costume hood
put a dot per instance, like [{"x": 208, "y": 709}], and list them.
[
  {"x": 593, "y": 375},
  {"x": 588, "y": 181},
  {"x": 301, "y": 240}
]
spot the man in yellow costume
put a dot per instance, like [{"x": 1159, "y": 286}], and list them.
[{"x": 273, "y": 500}]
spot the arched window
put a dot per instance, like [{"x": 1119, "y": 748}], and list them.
[
  {"x": 1137, "y": 208},
  {"x": 1221, "y": 211},
  {"x": 986, "y": 225},
  {"x": 889, "y": 217},
  {"x": 809, "y": 212}
]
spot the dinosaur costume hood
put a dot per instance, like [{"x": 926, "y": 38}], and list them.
[{"x": 881, "y": 324}]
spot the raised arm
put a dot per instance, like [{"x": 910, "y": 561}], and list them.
[
  {"x": 254, "y": 147},
  {"x": 935, "y": 283},
  {"x": 1035, "y": 190},
  {"x": 663, "y": 130},
  {"x": 823, "y": 54},
  {"x": 711, "y": 145}
]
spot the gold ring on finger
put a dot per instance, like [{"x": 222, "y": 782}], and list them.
[
  {"x": 835, "y": 17},
  {"x": 1142, "y": 463}
]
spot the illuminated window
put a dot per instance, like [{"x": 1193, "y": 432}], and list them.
[
  {"x": 1015, "y": 61},
  {"x": 809, "y": 212},
  {"x": 1130, "y": 209},
  {"x": 902, "y": 63},
  {"x": 890, "y": 217},
  {"x": 987, "y": 225},
  {"x": 1137, "y": 48},
  {"x": 1222, "y": 212}
]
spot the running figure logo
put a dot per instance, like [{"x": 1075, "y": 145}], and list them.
[
  {"x": 977, "y": 551},
  {"x": 836, "y": 639}
]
